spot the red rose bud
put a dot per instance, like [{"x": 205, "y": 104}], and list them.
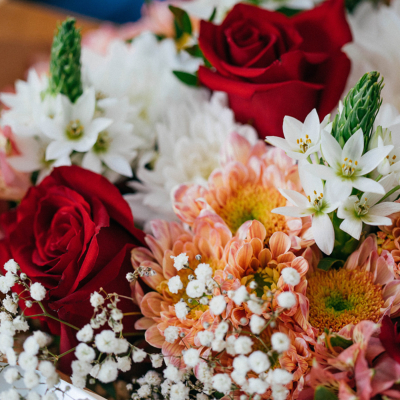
[
  {"x": 73, "y": 233},
  {"x": 271, "y": 65}
]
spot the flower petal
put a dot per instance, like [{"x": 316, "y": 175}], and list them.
[
  {"x": 352, "y": 226},
  {"x": 331, "y": 150},
  {"x": 92, "y": 162},
  {"x": 296, "y": 198},
  {"x": 354, "y": 147},
  {"x": 292, "y": 129},
  {"x": 311, "y": 126},
  {"x": 384, "y": 209},
  {"x": 310, "y": 182},
  {"x": 323, "y": 233},
  {"x": 118, "y": 164},
  {"x": 293, "y": 211},
  {"x": 371, "y": 159},
  {"x": 57, "y": 149},
  {"x": 279, "y": 142},
  {"x": 376, "y": 220},
  {"x": 320, "y": 171},
  {"x": 346, "y": 210},
  {"x": 367, "y": 185}
]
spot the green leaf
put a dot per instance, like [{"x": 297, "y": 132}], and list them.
[
  {"x": 322, "y": 393},
  {"x": 214, "y": 13},
  {"x": 187, "y": 78},
  {"x": 289, "y": 12},
  {"x": 327, "y": 263},
  {"x": 340, "y": 341},
  {"x": 182, "y": 19},
  {"x": 195, "y": 51}
]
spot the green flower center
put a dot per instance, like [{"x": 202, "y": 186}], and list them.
[
  {"x": 74, "y": 130},
  {"x": 103, "y": 142},
  {"x": 336, "y": 301}
]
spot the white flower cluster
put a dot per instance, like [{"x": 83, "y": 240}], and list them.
[
  {"x": 220, "y": 336},
  {"x": 111, "y": 123},
  {"x": 328, "y": 183}
]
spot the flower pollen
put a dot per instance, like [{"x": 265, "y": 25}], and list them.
[
  {"x": 341, "y": 297},
  {"x": 103, "y": 142},
  {"x": 74, "y": 130},
  {"x": 347, "y": 167},
  {"x": 254, "y": 202},
  {"x": 304, "y": 145}
]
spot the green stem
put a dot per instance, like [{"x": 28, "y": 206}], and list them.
[
  {"x": 389, "y": 193},
  {"x": 46, "y": 314},
  {"x": 64, "y": 354},
  {"x": 378, "y": 178}
]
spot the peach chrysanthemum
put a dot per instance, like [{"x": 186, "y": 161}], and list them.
[
  {"x": 245, "y": 188},
  {"x": 365, "y": 289}
]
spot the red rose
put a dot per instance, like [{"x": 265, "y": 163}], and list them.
[
  {"x": 73, "y": 233},
  {"x": 271, "y": 65}
]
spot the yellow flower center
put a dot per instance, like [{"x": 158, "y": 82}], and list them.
[
  {"x": 266, "y": 280},
  {"x": 74, "y": 130},
  {"x": 341, "y": 297},
  {"x": 196, "y": 309},
  {"x": 254, "y": 202}
]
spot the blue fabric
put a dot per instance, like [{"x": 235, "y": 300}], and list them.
[{"x": 118, "y": 11}]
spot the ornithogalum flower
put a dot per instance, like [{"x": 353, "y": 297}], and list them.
[
  {"x": 348, "y": 166},
  {"x": 301, "y": 140},
  {"x": 355, "y": 211},
  {"x": 318, "y": 203}
]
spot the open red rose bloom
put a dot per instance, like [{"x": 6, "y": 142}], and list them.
[
  {"x": 73, "y": 233},
  {"x": 271, "y": 65}
]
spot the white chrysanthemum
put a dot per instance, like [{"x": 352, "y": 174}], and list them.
[
  {"x": 189, "y": 145},
  {"x": 373, "y": 48},
  {"x": 181, "y": 310},
  {"x": 218, "y": 305},
  {"x": 203, "y": 9},
  {"x": 171, "y": 334},
  {"x": 290, "y": 276},
  {"x": 180, "y": 261},
  {"x": 141, "y": 71},
  {"x": 241, "y": 364},
  {"x": 287, "y": 299},
  {"x": 175, "y": 284},
  {"x": 85, "y": 334},
  {"x": 38, "y": 292},
  {"x": 222, "y": 383},
  {"x": 280, "y": 342}
]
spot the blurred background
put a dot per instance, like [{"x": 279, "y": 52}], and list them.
[{"x": 27, "y": 28}]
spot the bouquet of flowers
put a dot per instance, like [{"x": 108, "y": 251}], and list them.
[{"x": 183, "y": 218}]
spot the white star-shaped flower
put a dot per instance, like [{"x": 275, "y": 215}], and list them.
[
  {"x": 348, "y": 166},
  {"x": 75, "y": 128},
  {"x": 301, "y": 139},
  {"x": 318, "y": 203}
]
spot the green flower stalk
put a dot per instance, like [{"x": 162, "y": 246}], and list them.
[
  {"x": 360, "y": 107},
  {"x": 65, "y": 63}
]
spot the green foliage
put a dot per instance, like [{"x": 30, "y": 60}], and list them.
[
  {"x": 187, "y": 78},
  {"x": 340, "y": 341},
  {"x": 181, "y": 22},
  {"x": 351, "y": 5},
  {"x": 360, "y": 107},
  {"x": 322, "y": 393},
  {"x": 327, "y": 263},
  {"x": 65, "y": 63}
]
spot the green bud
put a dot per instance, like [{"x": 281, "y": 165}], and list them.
[
  {"x": 65, "y": 63},
  {"x": 359, "y": 109}
]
